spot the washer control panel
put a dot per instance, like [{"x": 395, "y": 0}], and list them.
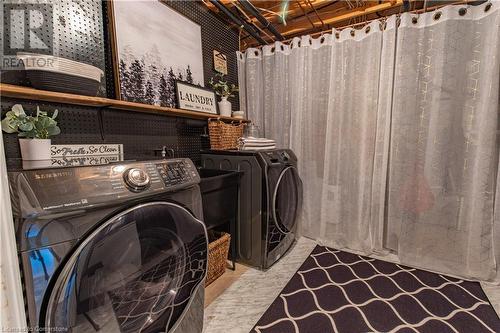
[
  {"x": 59, "y": 189},
  {"x": 136, "y": 179},
  {"x": 176, "y": 172}
]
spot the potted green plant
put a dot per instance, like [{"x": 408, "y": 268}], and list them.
[
  {"x": 34, "y": 131},
  {"x": 224, "y": 90}
]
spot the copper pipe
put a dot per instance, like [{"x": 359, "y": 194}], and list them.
[
  {"x": 415, "y": 11},
  {"x": 305, "y": 13},
  {"x": 351, "y": 14},
  {"x": 316, "y": 12}
]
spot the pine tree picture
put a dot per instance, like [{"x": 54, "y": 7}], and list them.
[
  {"x": 136, "y": 81},
  {"x": 163, "y": 92},
  {"x": 155, "y": 46},
  {"x": 189, "y": 75}
]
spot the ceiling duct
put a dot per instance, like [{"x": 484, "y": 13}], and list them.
[
  {"x": 248, "y": 6},
  {"x": 237, "y": 21}
]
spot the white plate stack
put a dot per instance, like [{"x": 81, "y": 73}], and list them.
[{"x": 47, "y": 72}]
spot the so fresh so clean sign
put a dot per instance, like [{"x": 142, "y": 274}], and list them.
[{"x": 85, "y": 150}]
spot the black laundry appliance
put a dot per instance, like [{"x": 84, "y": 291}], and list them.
[
  {"x": 270, "y": 201},
  {"x": 118, "y": 247}
]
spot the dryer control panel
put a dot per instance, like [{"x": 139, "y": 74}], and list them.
[{"x": 280, "y": 156}]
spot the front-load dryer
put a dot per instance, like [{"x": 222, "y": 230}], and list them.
[
  {"x": 270, "y": 201},
  {"x": 112, "y": 248}
]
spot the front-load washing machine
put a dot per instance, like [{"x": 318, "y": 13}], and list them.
[
  {"x": 112, "y": 248},
  {"x": 270, "y": 201}
]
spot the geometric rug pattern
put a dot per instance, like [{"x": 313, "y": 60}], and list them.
[{"x": 341, "y": 292}]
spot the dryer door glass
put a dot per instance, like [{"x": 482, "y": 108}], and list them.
[
  {"x": 287, "y": 199},
  {"x": 137, "y": 272}
]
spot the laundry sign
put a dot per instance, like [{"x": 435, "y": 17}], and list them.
[
  {"x": 85, "y": 150},
  {"x": 195, "y": 98}
]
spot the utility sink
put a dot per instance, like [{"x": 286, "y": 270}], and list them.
[{"x": 219, "y": 191}]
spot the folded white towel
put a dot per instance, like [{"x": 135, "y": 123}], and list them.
[
  {"x": 258, "y": 140},
  {"x": 258, "y": 144},
  {"x": 247, "y": 147}
]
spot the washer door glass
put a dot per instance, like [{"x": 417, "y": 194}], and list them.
[
  {"x": 136, "y": 273},
  {"x": 287, "y": 199}
]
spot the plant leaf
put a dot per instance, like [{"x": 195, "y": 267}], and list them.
[
  {"x": 53, "y": 130},
  {"x": 26, "y": 127},
  {"x": 54, "y": 115},
  {"x": 7, "y": 127},
  {"x": 18, "y": 110}
]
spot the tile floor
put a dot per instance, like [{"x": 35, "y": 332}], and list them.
[
  {"x": 250, "y": 291},
  {"x": 214, "y": 290},
  {"x": 241, "y": 305}
]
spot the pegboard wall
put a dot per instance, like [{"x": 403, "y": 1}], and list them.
[
  {"x": 215, "y": 35},
  {"x": 71, "y": 29},
  {"x": 83, "y": 35},
  {"x": 140, "y": 133}
]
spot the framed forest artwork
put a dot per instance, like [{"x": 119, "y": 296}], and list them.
[{"x": 153, "y": 47}]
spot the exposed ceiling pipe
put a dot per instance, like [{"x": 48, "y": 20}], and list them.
[
  {"x": 247, "y": 19},
  {"x": 237, "y": 21},
  {"x": 316, "y": 12},
  {"x": 306, "y": 14},
  {"x": 248, "y": 6}
]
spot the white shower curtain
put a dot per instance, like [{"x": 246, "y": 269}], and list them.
[
  {"x": 349, "y": 175},
  {"x": 310, "y": 63},
  {"x": 297, "y": 103},
  {"x": 12, "y": 314},
  {"x": 444, "y": 151},
  {"x": 395, "y": 130},
  {"x": 266, "y": 85}
]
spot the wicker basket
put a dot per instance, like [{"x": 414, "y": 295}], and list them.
[
  {"x": 218, "y": 249},
  {"x": 224, "y": 136}
]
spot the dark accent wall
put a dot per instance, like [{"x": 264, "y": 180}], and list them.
[
  {"x": 140, "y": 133},
  {"x": 75, "y": 32},
  {"x": 215, "y": 34}
]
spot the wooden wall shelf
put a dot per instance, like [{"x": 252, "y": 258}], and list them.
[{"x": 8, "y": 90}]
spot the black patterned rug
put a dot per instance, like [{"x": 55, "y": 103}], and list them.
[{"x": 336, "y": 291}]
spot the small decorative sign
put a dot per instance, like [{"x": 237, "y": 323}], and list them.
[
  {"x": 86, "y": 150},
  {"x": 220, "y": 62},
  {"x": 194, "y": 98},
  {"x": 71, "y": 161},
  {"x": 85, "y": 160}
]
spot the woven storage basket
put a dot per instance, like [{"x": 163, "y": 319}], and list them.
[
  {"x": 224, "y": 136},
  {"x": 218, "y": 249}
]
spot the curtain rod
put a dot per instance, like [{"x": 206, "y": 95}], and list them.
[{"x": 416, "y": 11}]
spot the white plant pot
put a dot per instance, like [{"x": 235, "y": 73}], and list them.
[
  {"x": 225, "y": 107},
  {"x": 239, "y": 114},
  {"x": 28, "y": 165},
  {"x": 35, "y": 149}
]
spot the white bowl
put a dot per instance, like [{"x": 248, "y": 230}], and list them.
[{"x": 34, "y": 61}]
